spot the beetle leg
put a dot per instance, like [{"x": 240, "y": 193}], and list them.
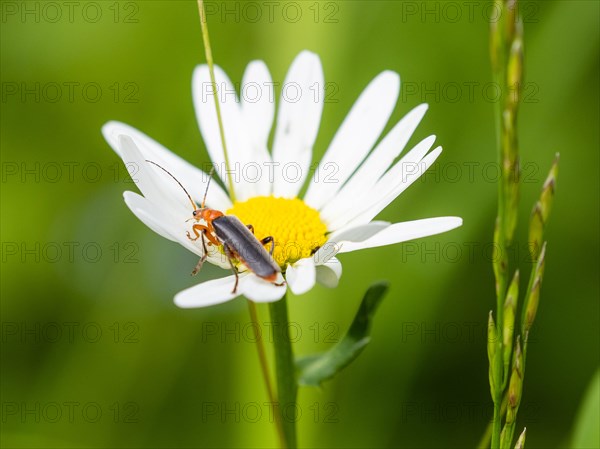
[
  {"x": 198, "y": 230},
  {"x": 228, "y": 254},
  {"x": 270, "y": 240},
  {"x": 264, "y": 241},
  {"x": 198, "y": 266},
  {"x": 204, "y": 242}
]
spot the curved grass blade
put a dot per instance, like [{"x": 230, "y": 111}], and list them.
[{"x": 316, "y": 368}]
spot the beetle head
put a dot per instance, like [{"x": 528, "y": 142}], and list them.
[{"x": 198, "y": 214}]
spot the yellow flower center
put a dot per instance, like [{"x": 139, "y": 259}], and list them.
[{"x": 296, "y": 228}]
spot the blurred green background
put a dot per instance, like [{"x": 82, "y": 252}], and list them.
[{"x": 95, "y": 354}]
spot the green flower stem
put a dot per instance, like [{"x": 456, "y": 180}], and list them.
[
  {"x": 497, "y": 397},
  {"x": 287, "y": 386},
  {"x": 487, "y": 435},
  {"x": 264, "y": 365},
  {"x": 515, "y": 390},
  {"x": 506, "y": 51},
  {"x": 211, "y": 69},
  {"x": 510, "y": 310},
  {"x": 286, "y": 437}
]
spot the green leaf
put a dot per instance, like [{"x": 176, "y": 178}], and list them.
[
  {"x": 314, "y": 369},
  {"x": 587, "y": 433}
]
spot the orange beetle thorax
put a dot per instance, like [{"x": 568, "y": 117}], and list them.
[{"x": 209, "y": 215}]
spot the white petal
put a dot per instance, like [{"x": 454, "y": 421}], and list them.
[
  {"x": 355, "y": 138},
  {"x": 192, "y": 178},
  {"x": 393, "y": 183},
  {"x": 239, "y": 149},
  {"x": 164, "y": 205},
  {"x": 375, "y": 165},
  {"x": 401, "y": 232},
  {"x": 301, "y": 276},
  {"x": 329, "y": 273},
  {"x": 358, "y": 233},
  {"x": 144, "y": 210},
  {"x": 364, "y": 199},
  {"x": 353, "y": 234},
  {"x": 258, "y": 101},
  {"x": 166, "y": 226},
  {"x": 208, "y": 293},
  {"x": 153, "y": 182},
  {"x": 259, "y": 290},
  {"x": 170, "y": 206},
  {"x": 258, "y": 111},
  {"x": 298, "y": 122}
]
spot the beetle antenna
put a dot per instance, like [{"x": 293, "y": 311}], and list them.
[
  {"x": 210, "y": 174},
  {"x": 177, "y": 181}
]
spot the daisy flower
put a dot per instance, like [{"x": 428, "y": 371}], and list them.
[{"x": 356, "y": 179}]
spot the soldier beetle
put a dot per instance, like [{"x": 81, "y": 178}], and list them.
[{"x": 237, "y": 240}]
